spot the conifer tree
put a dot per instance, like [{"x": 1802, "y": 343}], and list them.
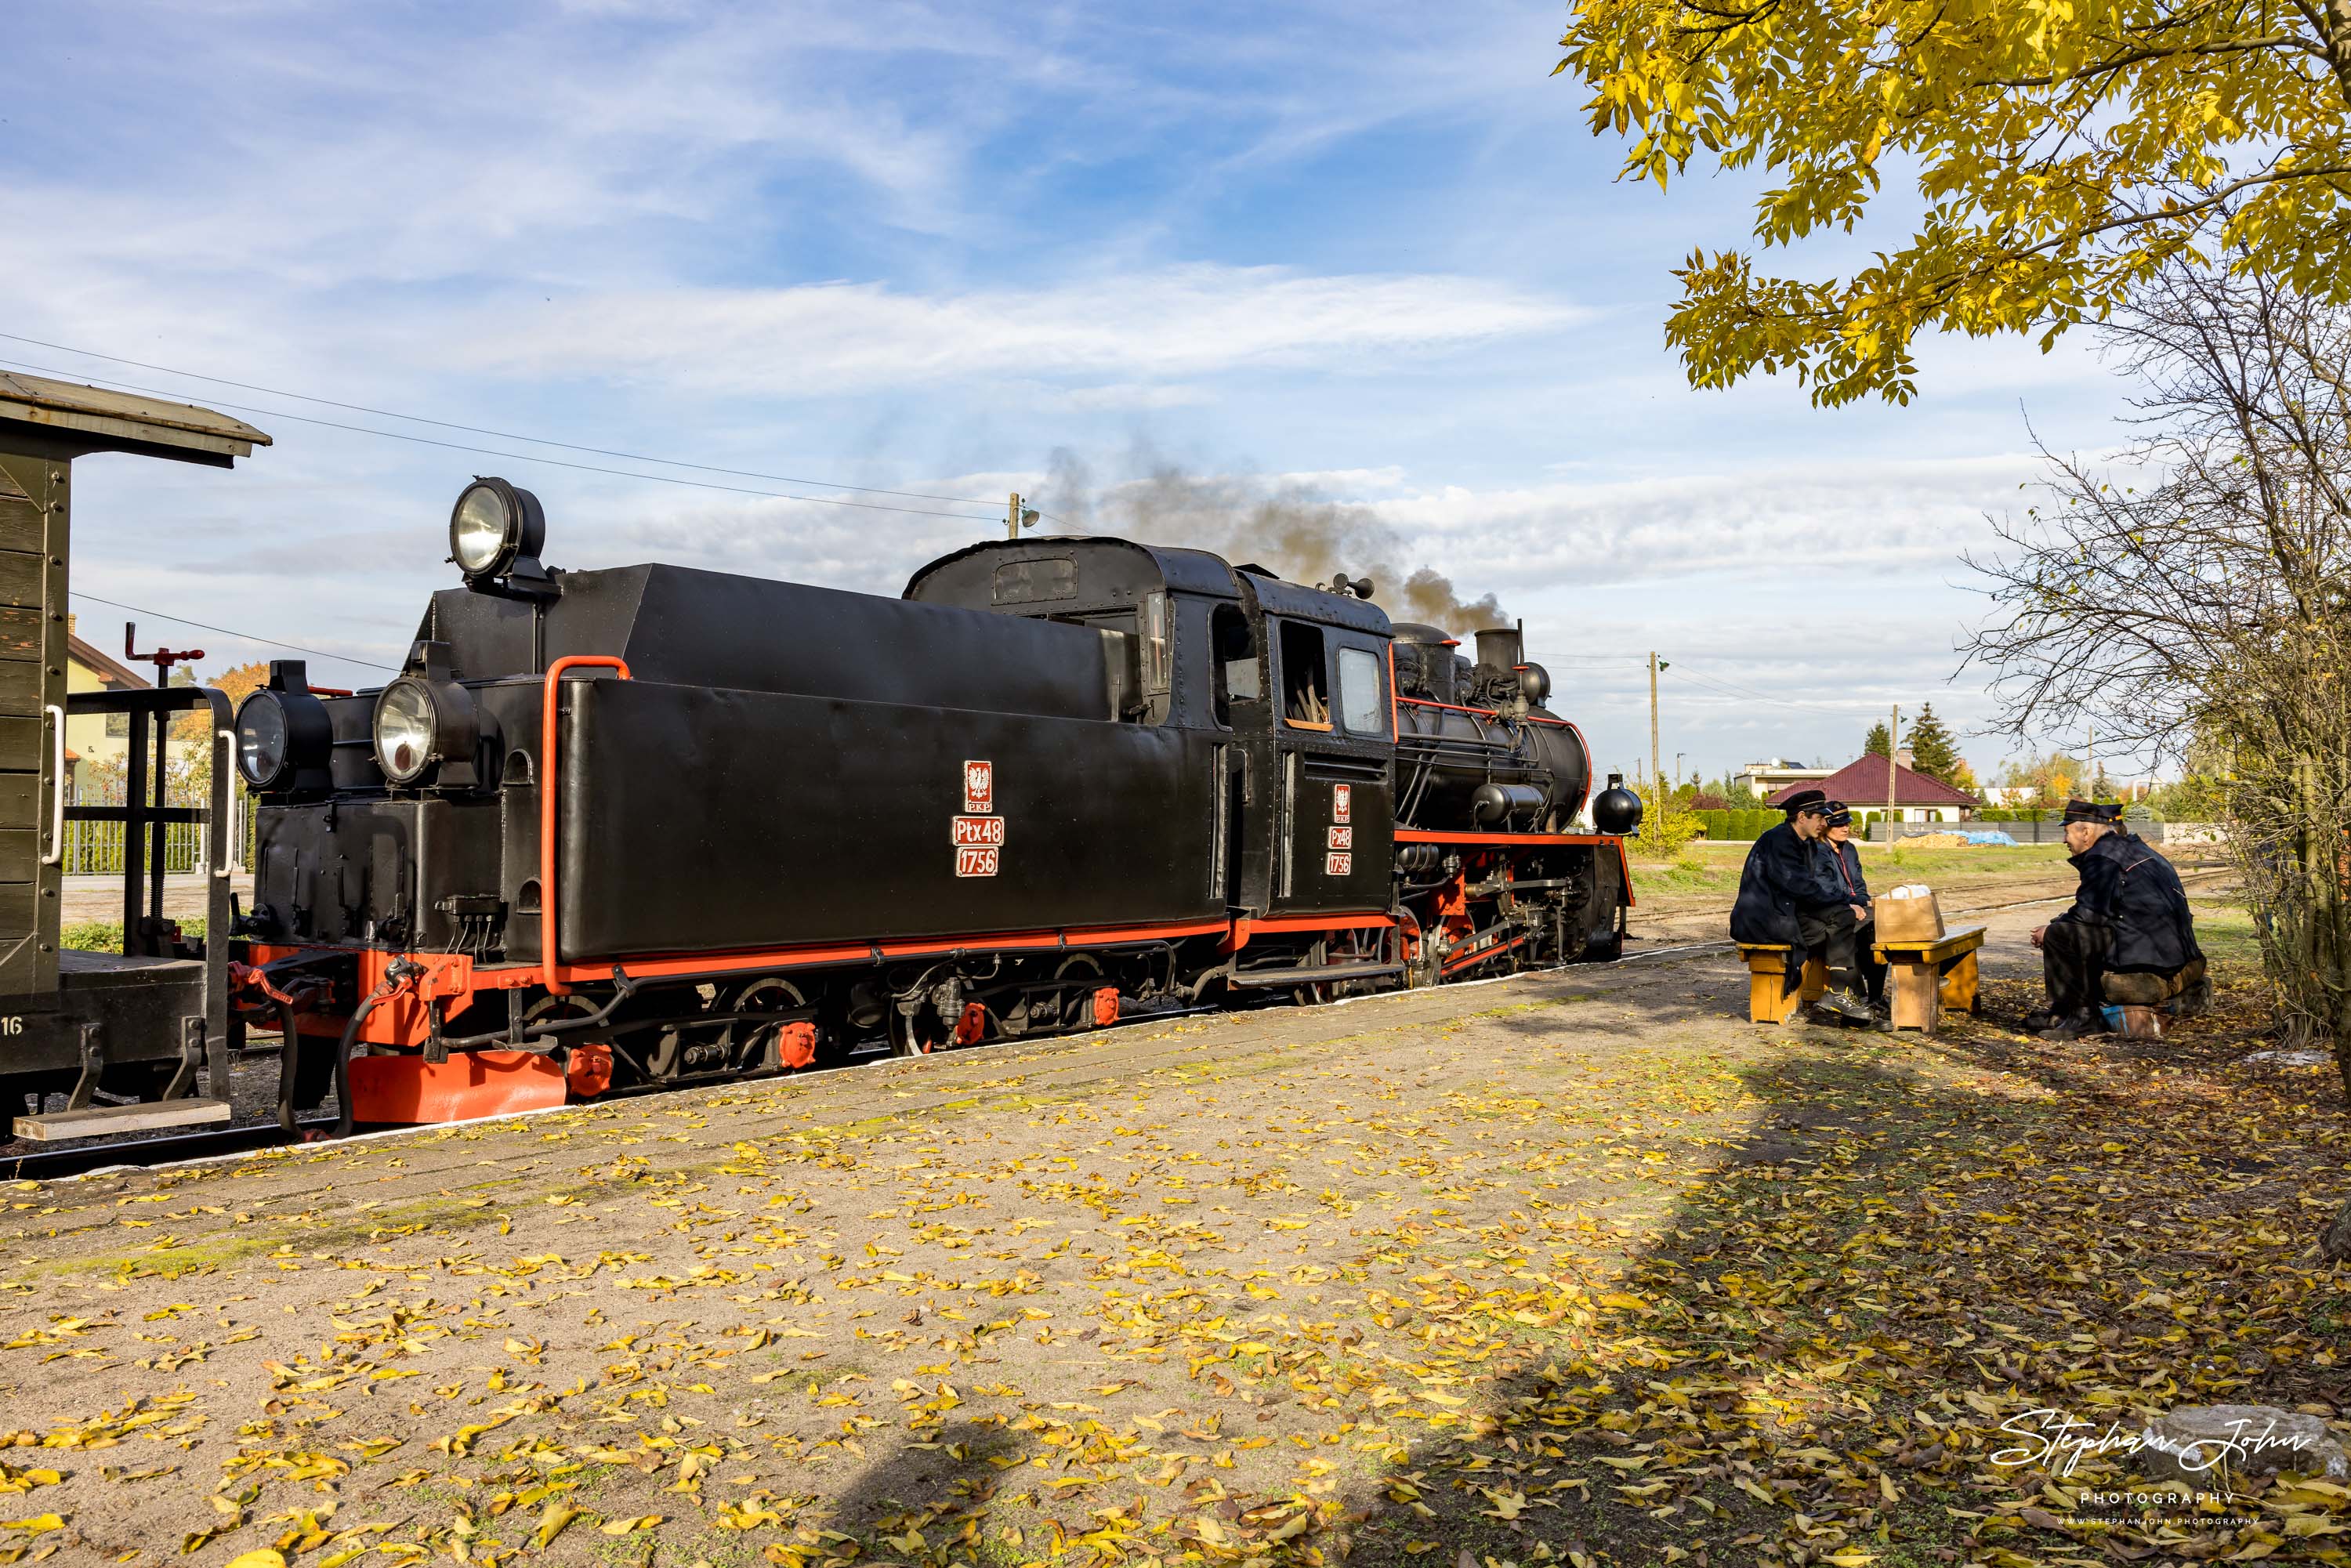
[{"x": 1932, "y": 752}]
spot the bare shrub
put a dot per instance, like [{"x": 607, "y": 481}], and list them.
[{"x": 2190, "y": 592}]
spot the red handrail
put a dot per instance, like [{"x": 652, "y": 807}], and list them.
[{"x": 548, "y": 957}]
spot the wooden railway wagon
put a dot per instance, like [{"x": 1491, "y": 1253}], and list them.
[{"x": 125, "y": 1041}]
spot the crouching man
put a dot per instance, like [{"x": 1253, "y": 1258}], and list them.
[
  {"x": 1788, "y": 893},
  {"x": 2129, "y": 937}
]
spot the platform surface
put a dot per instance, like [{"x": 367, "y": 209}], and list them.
[{"x": 1228, "y": 1282}]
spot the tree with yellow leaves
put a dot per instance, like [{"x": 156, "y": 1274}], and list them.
[{"x": 2062, "y": 155}]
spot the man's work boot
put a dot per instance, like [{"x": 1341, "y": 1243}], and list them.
[
  {"x": 1843, "y": 1008},
  {"x": 2074, "y": 1026}
]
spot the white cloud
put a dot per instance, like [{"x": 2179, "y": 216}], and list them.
[
  {"x": 809, "y": 340},
  {"x": 1826, "y": 517}
]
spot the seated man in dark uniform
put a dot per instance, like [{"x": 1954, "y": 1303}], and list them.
[
  {"x": 1787, "y": 894},
  {"x": 1836, "y": 840},
  {"x": 2129, "y": 919}
]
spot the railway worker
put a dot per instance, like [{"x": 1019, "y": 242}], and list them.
[
  {"x": 1845, "y": 860},
  {"x": 1788, "y": 894},
  {"x": 2130, "y": 917}
]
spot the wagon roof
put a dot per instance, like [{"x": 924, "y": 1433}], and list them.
[{"x": 99, "y": 420}]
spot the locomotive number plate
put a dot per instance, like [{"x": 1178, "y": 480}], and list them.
[
  {"x": 1338, "y": 864},
  {"x": 979, "y": 788},
  {"x": 988, "y": 830},
  {"x": 976, "y": 860},
  {"x": 1343, "y": 838},
  {"x": 1342, "y": 802}
]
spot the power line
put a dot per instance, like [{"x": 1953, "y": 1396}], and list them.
[
  {"x": 479, "y": 430},
  {"x": 521, "y": 456},
  {"x": 225, "y": 632},
  {"x": 1724, "y": 689}
]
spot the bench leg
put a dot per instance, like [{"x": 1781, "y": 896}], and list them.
[
  {"x": 1816, "y": 980},
  {"x": 1958, "y": 985},
  {"x": 1915, "y": 990},
  {"x": 1769, "y": 999}
]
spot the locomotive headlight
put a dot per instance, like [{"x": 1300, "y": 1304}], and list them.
[
  {"x": 261, "y": 739},
  {"x": 403, "y": 730},
  {"x": 283, "y": 739},
  {"x": 421, "y": 723},
  {"x": 493, "y": 528}
]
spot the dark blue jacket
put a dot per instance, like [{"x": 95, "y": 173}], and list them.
[
  {"x": 2132, "y": 890},
  {"x": 1784, "y": 874},
  {"x": 1849, "y": 883}
]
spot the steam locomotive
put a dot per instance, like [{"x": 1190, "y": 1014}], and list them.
[{"x": 653, "y": 825}]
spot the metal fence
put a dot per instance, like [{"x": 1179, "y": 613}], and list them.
[
  {"x": 95, "y": 849},
  {"x": 2052, "y": 832}
]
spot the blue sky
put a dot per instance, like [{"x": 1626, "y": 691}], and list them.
[{"x": 1364, "y": 253}]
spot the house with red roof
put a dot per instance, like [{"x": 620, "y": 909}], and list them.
[{"x": 1916, "y": 797}]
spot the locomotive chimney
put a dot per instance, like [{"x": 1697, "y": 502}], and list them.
[{"x": 1501, "y": 648}]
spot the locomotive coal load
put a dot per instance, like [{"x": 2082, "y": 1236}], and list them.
[{"x": 653, "y": 824}]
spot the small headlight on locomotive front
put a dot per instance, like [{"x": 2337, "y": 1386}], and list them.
[
  {"x": 284, "y": 739},
  {"x": 408, "y": 730},
  {"x": 261, "y": 739},
  {"x": 493, "y": 526}
]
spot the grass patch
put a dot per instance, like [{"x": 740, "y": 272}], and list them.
[{"x": 106, "y": 935}]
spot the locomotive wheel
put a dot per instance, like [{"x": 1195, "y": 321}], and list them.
[
  {"x": 1081, "y": 974},
  {"x": 757, "y": 1046},
  {"x": 905, "y": 1036},
  {"x": 548, "y": 1008},
  {"x": 1419, "y": 954}
]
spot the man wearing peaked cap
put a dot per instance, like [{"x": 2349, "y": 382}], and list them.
[
  {"x": 2129, "y": 935},
  {"x": 1788, "y": 895},
  {"x": 1844, "y": 863}
]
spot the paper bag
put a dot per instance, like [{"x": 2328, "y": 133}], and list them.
[{"x": 1908, "y": 914}]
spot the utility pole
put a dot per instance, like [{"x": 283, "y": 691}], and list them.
[
  {"x": 1017, "y": 516},
  {"x": 1655, "y": 758},
  {"x": 2090, "y": 785},
  {"x": 1893, "y": 738}
]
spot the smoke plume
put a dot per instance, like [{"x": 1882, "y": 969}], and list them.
[{"x": 1292, "y": 531}]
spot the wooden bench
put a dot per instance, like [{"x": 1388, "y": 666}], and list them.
[
  {"x": 1769, "y": 996},
  {"x": 1930, "y": 976}
]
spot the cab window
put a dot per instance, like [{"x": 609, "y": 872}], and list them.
[
  {"x": 1234, "y": 667},
  {"x": 1360, "y": 711},
  {"x": 1305, "y": 691}
]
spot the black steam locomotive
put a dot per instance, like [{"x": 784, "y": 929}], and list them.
[{"x": 653, "y": 824}]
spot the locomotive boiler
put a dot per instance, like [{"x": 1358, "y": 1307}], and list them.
[{"x": 653, "y": 824}]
